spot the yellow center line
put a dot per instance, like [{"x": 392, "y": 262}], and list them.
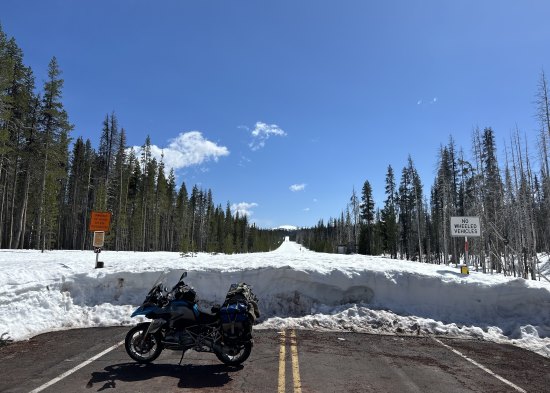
[
  {"x": 282, "y": 362},
  {"x": 282, "y": 357},
  {"x": 295, "y": 365}
]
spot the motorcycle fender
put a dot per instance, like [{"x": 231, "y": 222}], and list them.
[
  {"x": 155, "y": 325},
  {"x": 143, "y": 311}
]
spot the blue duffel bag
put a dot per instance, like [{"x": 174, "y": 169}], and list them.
[{"x": 235, "y": 320}]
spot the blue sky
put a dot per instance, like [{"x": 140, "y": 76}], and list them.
[{"x": 285, "y": 106}]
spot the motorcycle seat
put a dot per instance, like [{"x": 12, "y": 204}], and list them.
[{"x": 206, "y": 317}]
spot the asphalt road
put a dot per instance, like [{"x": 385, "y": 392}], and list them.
[{"x": 290, "y": 361}]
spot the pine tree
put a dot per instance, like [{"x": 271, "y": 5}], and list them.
[
  {"x": 492, "y": 195},
  {"x": 170, "y": 225},
  {"x": 135, "y": 204},
  {"x": 389, "y": 227},
  {"x": 367, "y": 217},
  {"x": 54, "y": 127},
  {"x": 228, "y": 245},
  {"x": 443, "y": 198},
  {"x": 108, "y": 148},
  {"x": 182, "y": 219},
  {"x": 411, "y": 211},
  {"x": 355, "y": 210},
  {"x": 118, "y": 189},
  {"x": 18, "y": 118}
]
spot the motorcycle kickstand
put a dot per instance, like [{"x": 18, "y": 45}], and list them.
[{"x": 182, "y": 353}]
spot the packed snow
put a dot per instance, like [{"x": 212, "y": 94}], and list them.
[{"x": 297, "y": 288}]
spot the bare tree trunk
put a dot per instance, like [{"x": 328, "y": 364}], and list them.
[
  {"x": 418, "y": 204},
  {"x": 119, "y": 212},
  {"x": 3, "y": 204},
  {"x": 85, "y": 219},
  {"x": 74, "y": 213},
  {"x": 39, "y": 230},
  {"x": 126, "y": 244},
  {"x": 12, "y": 204},
  {"x": 531, "y": 214},
  {"x": 24, "y": 221},
  {"x": 143, "y": 241},
  {"x": 21, "y": 226},
  {"x": 445, "y": 245},
  {"x": 545, "y": 114}
]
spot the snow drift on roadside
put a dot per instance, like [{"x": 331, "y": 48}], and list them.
[{"x": 40, "y": 292}]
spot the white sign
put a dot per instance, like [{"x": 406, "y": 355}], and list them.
[
  {"x": 99, "y": 239},
  {"x": 465, "y": 226}
]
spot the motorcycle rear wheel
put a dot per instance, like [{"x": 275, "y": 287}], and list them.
[
  {"x": 237, "y": 358},
  {"x": 143, "y": 349}
]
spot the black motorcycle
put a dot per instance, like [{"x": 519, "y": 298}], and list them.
[{"x": 178, "y": 323}]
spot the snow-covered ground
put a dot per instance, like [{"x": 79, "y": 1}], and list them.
[{"x": 297, "y": 288}]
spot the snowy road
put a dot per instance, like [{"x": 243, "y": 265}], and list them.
[
  {"x": 297, "y": 288},
  {"x": 315, "y": 298},
  {"x": 320, "y": 361}
]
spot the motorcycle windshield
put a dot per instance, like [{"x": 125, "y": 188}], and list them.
[{"x": 167, "y": 277}]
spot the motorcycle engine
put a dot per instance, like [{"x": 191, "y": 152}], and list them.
[{"x": 180, "y": 338}]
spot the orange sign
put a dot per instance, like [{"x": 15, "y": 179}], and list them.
[{"x": 100, "y": 221}]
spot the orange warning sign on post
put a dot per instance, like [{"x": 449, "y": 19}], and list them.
[{"x": 100, "y": 221}]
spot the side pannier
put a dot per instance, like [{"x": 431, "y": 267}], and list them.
[{"x": 238, "y": 312}]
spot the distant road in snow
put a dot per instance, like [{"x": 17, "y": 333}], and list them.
[{"x": 293, "y": 361}]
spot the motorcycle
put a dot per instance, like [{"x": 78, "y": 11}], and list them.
[{"x": 179, "y": 324}]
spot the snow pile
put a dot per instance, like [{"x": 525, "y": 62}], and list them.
[{"x": 41, "y": 292}]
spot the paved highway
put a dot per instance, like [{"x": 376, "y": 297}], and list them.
[{"x": 90, "y": 360}]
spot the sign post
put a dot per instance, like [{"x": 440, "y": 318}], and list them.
[
  {"x": 99, "y": 225},
  {"x": 99, "y": 241},
  {"x": 465, "y": 226}
]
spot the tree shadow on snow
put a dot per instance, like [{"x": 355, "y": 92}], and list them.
[{"x": 189, "y": 375}]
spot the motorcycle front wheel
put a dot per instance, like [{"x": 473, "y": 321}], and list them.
[
  {"x": 140, "y": 348},
  {"x": 236, "y": 356}
]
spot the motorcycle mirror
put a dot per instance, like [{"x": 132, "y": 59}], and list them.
[{"x": 183, "y": 275}]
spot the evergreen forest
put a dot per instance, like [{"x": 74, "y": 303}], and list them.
[
  {"x": 511, "y": 197},
  {"x": 50, "y": 183}
]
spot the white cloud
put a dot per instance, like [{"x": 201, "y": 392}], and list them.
[
  {"x": 315, "y": 200},
  {"x": 427, "y": 102},
  {"x": 244, "y": 161},
  {"x": 243, "y": 208},
  {"x": 187, "y": 149},
  {"x": 297, "y": 187},
  {"x": 307, "y": 209},
  {"x": 262, "y": 132}
]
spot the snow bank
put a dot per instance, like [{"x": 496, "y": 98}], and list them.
[{"x": 41, "y": 292}]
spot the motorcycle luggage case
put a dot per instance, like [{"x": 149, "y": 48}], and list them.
[{"x": 235, "y": 320}]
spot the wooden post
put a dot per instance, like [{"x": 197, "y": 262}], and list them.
[{"x": 466, "y": 250}]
